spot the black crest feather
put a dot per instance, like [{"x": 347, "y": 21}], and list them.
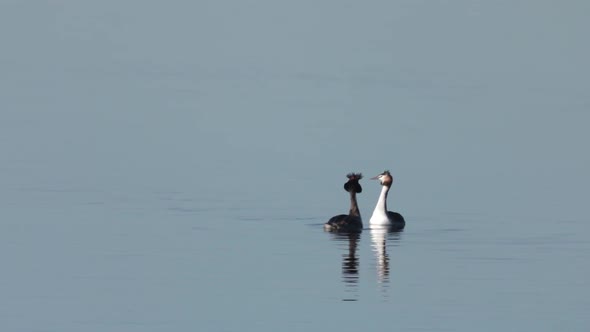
[
  {"x": 353, "y": 182},
  {"x": 354, "y": 176}
]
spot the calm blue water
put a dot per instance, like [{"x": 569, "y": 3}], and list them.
[{"x": 169, "y": 166}]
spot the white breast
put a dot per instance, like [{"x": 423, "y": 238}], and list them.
[{"x": 379, "y": 218}]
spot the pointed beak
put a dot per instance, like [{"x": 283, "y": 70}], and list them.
[{"x": 375, "y": 177}]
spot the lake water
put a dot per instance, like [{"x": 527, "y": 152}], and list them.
[{"x": 169, "y": 166}]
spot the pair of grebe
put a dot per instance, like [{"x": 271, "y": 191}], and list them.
[{"x": 382, "y": 218}]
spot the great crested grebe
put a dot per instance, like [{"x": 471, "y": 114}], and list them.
[
  {"x": 381, "y": 217},
  {"x": 350, "y": 222}
]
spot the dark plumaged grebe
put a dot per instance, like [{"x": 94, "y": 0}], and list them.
[
  {"x": 350, "y": 222},
  {"x": 381, "y": 217}
]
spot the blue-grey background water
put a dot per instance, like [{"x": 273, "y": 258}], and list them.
[{"x": 167, "y": 166}]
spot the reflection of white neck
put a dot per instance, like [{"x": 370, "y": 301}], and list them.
[
  {"x": 379, "y": 216},
  {"x": 378, "y": 239}
]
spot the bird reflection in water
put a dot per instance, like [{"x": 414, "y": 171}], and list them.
[
  {"x": 379, "y": 237},
  {"x": 350, "y": 263}
]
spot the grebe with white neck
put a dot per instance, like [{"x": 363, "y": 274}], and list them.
[
  {"x": 381, "y": 217},
  {"x": 350, "y": 222}
]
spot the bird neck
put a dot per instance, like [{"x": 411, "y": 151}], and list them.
[
  {"x": 382, "y": 201},
  {"x": 354, "y": 208}
]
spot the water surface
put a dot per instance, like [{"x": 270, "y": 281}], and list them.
[{"x": 170, "y": 166}]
